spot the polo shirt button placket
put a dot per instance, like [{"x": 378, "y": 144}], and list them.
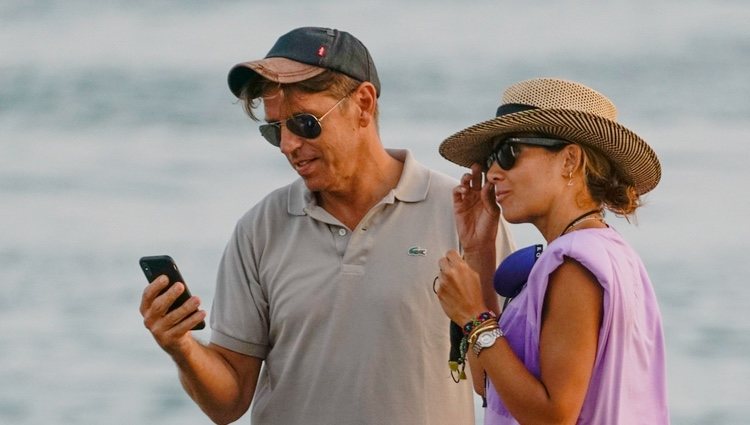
[{"x": 342, "y": 232}]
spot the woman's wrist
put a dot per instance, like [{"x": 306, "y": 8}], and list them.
[
  {"x": 471, "y": 322},
  {"x": 485, "y": 242}
]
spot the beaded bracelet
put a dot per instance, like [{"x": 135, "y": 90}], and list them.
[
  {"x": 483, "y": 317},
  {"x": 459, "y": 365}
]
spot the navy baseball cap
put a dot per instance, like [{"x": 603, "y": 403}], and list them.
[{"x": 304, "y": 53}]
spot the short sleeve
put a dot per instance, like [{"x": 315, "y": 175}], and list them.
[{"x": 239, "y": 314}]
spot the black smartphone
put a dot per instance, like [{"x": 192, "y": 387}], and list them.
[{"x": 157, "y": 265}]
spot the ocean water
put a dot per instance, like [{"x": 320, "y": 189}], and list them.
[{"x": 119, "y": 138}]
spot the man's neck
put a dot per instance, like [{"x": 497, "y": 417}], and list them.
[{"x": 378, "y": 176}]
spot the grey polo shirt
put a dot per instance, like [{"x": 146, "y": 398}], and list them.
[{"x": 345, "y": 319}]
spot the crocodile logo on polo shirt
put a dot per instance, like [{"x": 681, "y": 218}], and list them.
[{"x": 417, "y": 251}]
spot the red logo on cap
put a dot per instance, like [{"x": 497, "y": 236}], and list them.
[{"x": 322, "y": 51}]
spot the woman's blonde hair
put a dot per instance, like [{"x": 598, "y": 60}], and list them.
[{"x": 608, "y": 185}]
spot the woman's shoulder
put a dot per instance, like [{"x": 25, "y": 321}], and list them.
[
  {"x": 595, "y": 249},
  {"x": 589, "y": 242}
]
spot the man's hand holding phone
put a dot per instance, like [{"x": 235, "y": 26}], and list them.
[{"x": 169, "y": 311}]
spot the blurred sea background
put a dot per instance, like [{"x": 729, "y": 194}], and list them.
[{"x": 119, "y": 138}]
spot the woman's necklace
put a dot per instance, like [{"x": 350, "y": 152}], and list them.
[{"x": 583, "y": 217}]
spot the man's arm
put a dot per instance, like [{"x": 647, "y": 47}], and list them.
[{"x": 221, "y": 382}]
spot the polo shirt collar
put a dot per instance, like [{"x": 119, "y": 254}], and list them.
[{"x": 412, "y": 185}]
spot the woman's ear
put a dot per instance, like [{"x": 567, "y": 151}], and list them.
[
  {"x": 366, "y": 99},
  {"x": 572, "y": 159}
]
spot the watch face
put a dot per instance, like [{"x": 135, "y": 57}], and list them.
[{"x": 486, "y": 338}]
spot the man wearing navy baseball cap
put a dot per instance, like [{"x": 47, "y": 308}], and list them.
[
  {"x": 324, "y": 311},
  {"x": 304, "y": 53}
]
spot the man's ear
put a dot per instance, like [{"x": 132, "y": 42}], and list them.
[{"x": 366, "y": 98}]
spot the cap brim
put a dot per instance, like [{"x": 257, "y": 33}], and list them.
[
  {"x": 279, "y": 70},
  {"x": 623, "y": 147}
]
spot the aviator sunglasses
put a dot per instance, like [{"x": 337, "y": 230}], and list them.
[
  {"x": 303, "y": 125},
  {"x": 506, "y": 151}
]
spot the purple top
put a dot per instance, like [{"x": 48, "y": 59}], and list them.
[{"x": 628, "y": 384}]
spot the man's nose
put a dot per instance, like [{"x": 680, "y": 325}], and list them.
[{"x": 289, "y": 141}]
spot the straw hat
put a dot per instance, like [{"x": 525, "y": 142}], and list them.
[{"x": 563, "y": 109}]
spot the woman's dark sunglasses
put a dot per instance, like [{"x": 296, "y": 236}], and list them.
[
  {"x": 303, "y": 125},
  {"x": 505, "y": 151}
]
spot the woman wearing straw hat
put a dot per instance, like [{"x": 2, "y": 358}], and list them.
[{"x": 581, "y": 339}]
